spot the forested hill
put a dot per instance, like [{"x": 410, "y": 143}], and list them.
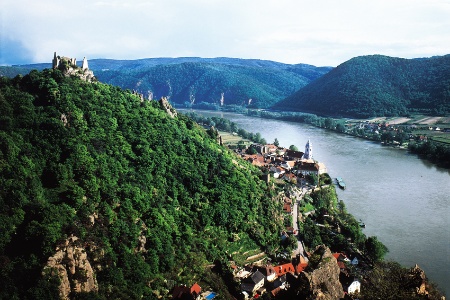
[
  {"x": 192, "y": 80},
  {"x": 377, "y": 85},
  {"x": 90, "y": 169}
]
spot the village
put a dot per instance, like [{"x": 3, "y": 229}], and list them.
[{"x": 261, "y": 275}]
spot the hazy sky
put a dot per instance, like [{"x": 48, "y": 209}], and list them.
[{"x": 317, "y": 32}]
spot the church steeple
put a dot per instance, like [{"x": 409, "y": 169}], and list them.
[{"x": 308, "y": 151}]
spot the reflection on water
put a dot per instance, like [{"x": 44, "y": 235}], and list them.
[{"x": 403, "y": 200}]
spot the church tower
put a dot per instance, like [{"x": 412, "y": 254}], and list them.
[{"x": 308, "y": 151}]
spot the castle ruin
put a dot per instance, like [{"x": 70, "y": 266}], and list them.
[{"x": 69, "y": 67}]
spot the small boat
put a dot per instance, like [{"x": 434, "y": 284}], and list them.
[
  {"x": 361, "y": 224},
  {"x": 341, "y": 183}
]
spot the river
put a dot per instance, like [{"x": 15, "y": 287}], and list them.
[{"x": 403, "y": 200}]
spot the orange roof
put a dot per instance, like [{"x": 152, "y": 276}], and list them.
[
  {"x": 196, "y": 289},
  {"x": 283, "y": 269},
  {"x": 300, "y": 267}
]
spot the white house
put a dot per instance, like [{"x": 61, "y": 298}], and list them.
[
  {"x": 253, "y": 283},
  {"x": 354, "y": 287}
]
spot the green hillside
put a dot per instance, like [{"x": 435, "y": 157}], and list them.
[
  {"x": 152, "y": 199},
  {"x": 377, "y": 85},
  {"x": 196, "y": 80}
]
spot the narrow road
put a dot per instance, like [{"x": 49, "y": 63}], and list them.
[{"x": 300, "y": 250}]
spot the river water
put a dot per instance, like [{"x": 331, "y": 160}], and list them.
[{"x": 403, "y": 200}]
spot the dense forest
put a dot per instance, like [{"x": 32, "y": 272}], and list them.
[
  {"x": 152, "y": 198},
  {"x": 194, "y": 81},
  {"x": 377, "y": 85}
]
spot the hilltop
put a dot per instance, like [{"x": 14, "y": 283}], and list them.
[
  {"x": 103, "y": 188},
  {"x": 377, "y": 85}
]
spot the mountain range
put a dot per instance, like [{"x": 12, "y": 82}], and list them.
[
  {"x": 365, "y": 86},
  {"x": 194, "y": 80}
]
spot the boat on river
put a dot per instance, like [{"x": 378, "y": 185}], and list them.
[{"x": 341, "y": 183}]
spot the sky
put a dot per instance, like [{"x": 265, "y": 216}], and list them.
[{"x": 316, "y": 32}]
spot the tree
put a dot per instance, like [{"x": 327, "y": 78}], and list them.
[
  {"x": 340, "y": 127},
  {"x": 276, "y": 142},
  {"x": 293, "y": 148},
  {"x": 313, "y": 179},
  {"x": 375, "y": 250},
  {"x": 252, "y": 150}
]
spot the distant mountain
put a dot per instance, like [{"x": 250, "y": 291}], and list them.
[
  {"x": 377, "y": 85},
  {"x": 195, "y": 80}
]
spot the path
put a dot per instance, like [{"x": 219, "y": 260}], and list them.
[{"x": 300, "y": 250}]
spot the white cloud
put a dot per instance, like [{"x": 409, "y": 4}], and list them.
[{"x": 321, "y": 32}]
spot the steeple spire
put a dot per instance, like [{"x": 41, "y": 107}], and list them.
[{"x": 308, "y": 151}]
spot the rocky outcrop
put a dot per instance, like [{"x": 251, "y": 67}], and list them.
[
  {"x": 322, "y": 280},
  {"x": 418, "y": 281},
  {"x": 167, "y": 107},
  {"x": 71, "y": 265}
]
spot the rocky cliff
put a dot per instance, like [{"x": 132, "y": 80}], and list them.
[
  {"x": 167, "y": 107},
  {"x": 418, "y": 281},
  {"x": 321, "y": 281},
  {"x": 71, "y": 264}
]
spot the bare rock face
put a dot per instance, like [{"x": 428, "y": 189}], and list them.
[
  {"x": 167, "y": 107},
  {"x": 70, "y": 263},
  {"x": 418, "y": 280},
  {"x": 323, "y": 281}
]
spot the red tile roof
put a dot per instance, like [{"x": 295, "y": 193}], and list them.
[
  {"x": 283, "y": 269},
  {"x": 300, "y": 267},
  {"x": 196, "y": 289},
  {"x": 341, "y": 265}
]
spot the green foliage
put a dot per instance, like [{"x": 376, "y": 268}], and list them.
[
  {"x": 293, "y": 148},
  {"x": 434, "y": 151},
  {"x": 375, "y": 250},
  {"x": 389, "y": 280},
  {"x": 331, "y": 214},
  {"x": 376, "y": 85},
  {"x": 70, "y": 150}
]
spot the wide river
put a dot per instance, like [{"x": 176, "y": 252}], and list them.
[{"x": 403, "y": 200}]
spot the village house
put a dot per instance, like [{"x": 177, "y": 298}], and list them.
[
  {"x": 283, "y": 269},
  {"x": 269, "y": 272},
  {"x": 253, "y": 283},
  {"x": 293, "y": 155},
  {"x": 184, "y": 292},
  {"x": 307, "y": 168},
  {"x": 277, "y": 171},
  {"x": 354, "y": 287}
]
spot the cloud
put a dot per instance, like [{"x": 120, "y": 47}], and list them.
[{"x": 322, "y": 32}]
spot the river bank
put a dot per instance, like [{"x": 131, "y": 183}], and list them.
[
  {"x": 427, "y": 137},
  {"x": 402, "y": 200}
]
